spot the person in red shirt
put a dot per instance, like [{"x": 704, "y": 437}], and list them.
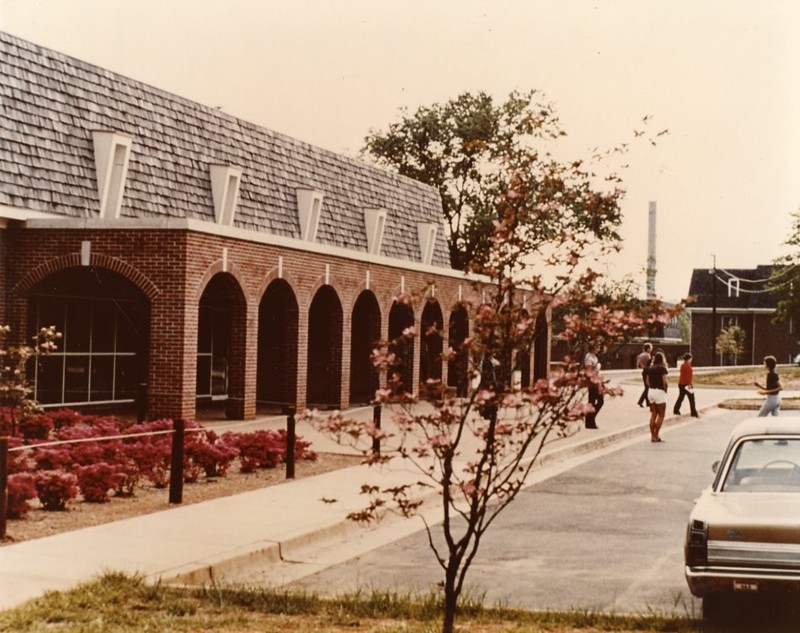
[{"x": 686, "y": 387}]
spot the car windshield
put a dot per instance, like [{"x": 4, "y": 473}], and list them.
[{"x": 764, "y": 465}]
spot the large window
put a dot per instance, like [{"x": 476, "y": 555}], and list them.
[{"x": 96, "y": 360}]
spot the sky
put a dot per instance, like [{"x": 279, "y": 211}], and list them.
[{"x": 723, "y": 76}]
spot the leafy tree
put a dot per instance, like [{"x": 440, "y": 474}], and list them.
[
  {"x": 785, "y": 278},
  {"x": 476, "y": 452},
  {"x": 467, "y": 146},
  {"x": 730, "y": 343},
  {"x": 611, "y": 297}
]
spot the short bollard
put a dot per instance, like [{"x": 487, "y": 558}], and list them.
[
  {"x": 176, "y": 462},
  {"x": 290, "y": 440},
  {"x": 3, "y": 486},
  {"x": 376, "y": 421}
]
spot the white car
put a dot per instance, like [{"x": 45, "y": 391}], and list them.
[{"x": 743, "y": 535}]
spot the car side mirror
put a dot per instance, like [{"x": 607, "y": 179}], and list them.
[{"x": 715, "y": 467}]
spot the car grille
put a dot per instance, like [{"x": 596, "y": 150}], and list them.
[{"x": 770, "y": 554}]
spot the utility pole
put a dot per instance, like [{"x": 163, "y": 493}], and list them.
[{"x": 714, "y": 311}]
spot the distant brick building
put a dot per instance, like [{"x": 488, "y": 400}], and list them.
[
  {"x": 738, "y": 297},
  {"x": 187, "y": 255}
]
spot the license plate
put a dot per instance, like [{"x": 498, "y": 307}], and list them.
[{"x": 751, "y": 587}]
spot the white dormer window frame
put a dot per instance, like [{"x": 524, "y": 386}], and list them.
[
  {"x": 112, "y": 153},
  {"x": 733, "y": 287},
  {"x": 309, "y": 208},
  {"x": 375, "y": 222},
  {"x": 427, "y": 241},
  {"x": 225, "y": 184}
]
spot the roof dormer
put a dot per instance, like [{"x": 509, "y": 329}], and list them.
[
  {"x": 225, "y": 182},
  {"x": 427, "y": 240},
  {"x": 112, "y": 151},
  {"x": 309, "y": 207},
  {"x": 375, "y": 222}
]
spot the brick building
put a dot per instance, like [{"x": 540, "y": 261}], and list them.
[
  {"x": 189, "y": 256},
  {"x": 738, "y": 297}
]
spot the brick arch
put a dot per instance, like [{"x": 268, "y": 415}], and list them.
[
  {"x": 318, "y": 283},
  {"x": 271, "y": 276},
  {"x": 73, "y": 260},
  {"x": 218, "y": 267}
]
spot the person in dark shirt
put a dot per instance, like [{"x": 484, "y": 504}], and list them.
[
  {"x": 772, "y": 390},
  {"x": 657, "y": 394},
  {"x": 643, "y": 361}
]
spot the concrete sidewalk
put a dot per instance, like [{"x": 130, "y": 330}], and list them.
[{"x": 215, "y": 540}]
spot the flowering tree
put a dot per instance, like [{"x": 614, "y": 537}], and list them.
[
  {"x": 16, "y": 404},
  {"x": 477, "y": 451}
]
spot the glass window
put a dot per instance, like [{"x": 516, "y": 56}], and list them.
[
  {"x": 765, "y": 465},
  {"x": 49, "y": 379},
  {"x": 103, "y": 329},
  {"x": 126, "y": 384},
  {"x": 78, "y": 326},
  {"x": 76, "y": 378},
  {"x": 102, "y": 378}
]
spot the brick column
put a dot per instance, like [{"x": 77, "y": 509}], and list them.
[{"x": 172, "y": 372}]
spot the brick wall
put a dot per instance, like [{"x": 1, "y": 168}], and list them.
[{"x": 172, "y": 268}]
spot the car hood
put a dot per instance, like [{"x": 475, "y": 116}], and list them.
[{"x": 747, "y": 516}]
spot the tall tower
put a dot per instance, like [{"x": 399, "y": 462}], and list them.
[{"x": 651, "y": 252}]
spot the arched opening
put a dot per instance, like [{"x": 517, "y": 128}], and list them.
[
  {"x": 324, "y": 376},
  {"x": 430, "y": 360},
  {"x": 276, "y": 381},
  {"x": 522, "y": 359},
  {"x": 221, "y": 339},
  {"x": 102, "y": 356},
  {"x": 457, "y": 367},
  {"x": 365, "y": 333},
  {"x": 541, "y": 348},
  {"x": 401, "y": 317}
]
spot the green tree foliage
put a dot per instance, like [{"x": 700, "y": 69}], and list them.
[
  {"x": 785, "y": 278},
  {"x": 730, "y": 343},
  {"x": 468, "y": 146}
]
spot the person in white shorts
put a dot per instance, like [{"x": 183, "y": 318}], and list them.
[{"x": 657, "y": 384}]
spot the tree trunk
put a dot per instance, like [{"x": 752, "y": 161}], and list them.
[{"x": 450, "y": 600}]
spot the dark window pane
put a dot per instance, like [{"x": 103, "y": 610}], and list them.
[
  {"x": 130, "y": 327},
  {"x": 76, "y": 379},
  {"x": 50, "y": 312},
  {"x": 79, "y": 321},
  {"x": 49, "y": 379},
  {"x": 103, "y": 327},
  {"x": 204, "y": 375},
  {"x": 219, "y": 376},
  {"x": 204, "y": 330},
  {"x": 127, "y": 384},
  {"x": 102, "y": 378}
]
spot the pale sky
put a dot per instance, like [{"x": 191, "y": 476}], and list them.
[{"x": 722, "y": 75}]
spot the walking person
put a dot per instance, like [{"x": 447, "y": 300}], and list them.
[
  {"x": 686, "y": 387},
  {"x": 657, "y": 384},
  {"x": 772, "y": 389},
  {"x": 643, "y": 361},
  {"x": 592, "y": 368}
]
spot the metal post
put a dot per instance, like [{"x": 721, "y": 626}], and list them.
[
  {"x": 714, "y": 313},
  {"x": 176, "y": 463},
  {"x": 3, "y": 486},
  {"x": 376, "y": 421},
  {"x": 290, "y": 440}
]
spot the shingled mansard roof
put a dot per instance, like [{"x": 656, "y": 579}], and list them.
[
  {"x": 52, "y": 104},
  {"x": 751, "y": 282}
]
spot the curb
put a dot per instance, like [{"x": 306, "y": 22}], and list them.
[{"x": 291, "y": 550}]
